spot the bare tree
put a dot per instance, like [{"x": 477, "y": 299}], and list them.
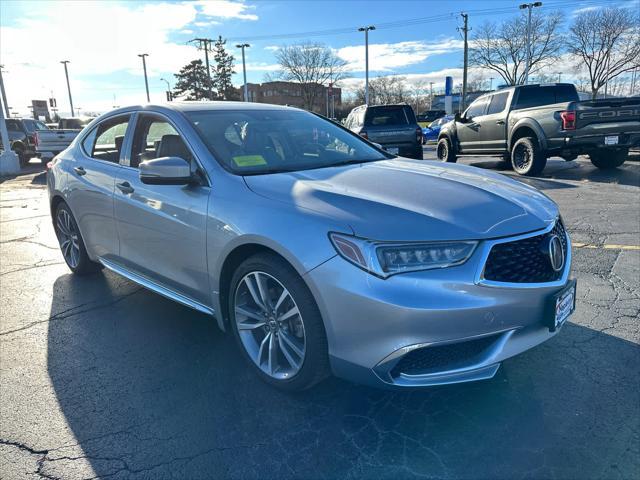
[
  {"x": 386, "y": 90},
  {"x": 503, "y": 47},
  {"x": 313, "y": 66},
  {"x": 606, "y": 42}
]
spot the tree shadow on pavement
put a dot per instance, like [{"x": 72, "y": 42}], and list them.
[{"x": 151, "y": 389}]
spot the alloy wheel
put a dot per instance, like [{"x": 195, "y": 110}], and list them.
[
  {"x": 68, "y": 238},
  {"x": 443, "y": 151},
  {"x": 270, "y": 325}
]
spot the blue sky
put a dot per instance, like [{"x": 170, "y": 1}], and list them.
[{"x": 102, "y": 40}]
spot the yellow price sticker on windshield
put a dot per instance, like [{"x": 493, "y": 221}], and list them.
[{"x": 249, "y": 160}]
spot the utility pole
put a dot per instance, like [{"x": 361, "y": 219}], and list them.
[
  {"x": 205, "y": 44},
  {"x": 66, "y": 73},
  {"x": 144, "y": 66},
  {"x": 366, "y": 60},
  {"x": 4, "y": 94},
  {"x": 530, "y": 7},
  {"x": 465, "y": 31},
  {"x": 244, "y": 70}
]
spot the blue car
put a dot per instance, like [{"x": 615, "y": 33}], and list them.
[{"x": 430, "y": 133}]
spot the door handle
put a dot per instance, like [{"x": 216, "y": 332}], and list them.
[
  {"x": 125, "y": 187},
  {"x": 80, "y": 170},
  {"x": 499, "y": 122}
]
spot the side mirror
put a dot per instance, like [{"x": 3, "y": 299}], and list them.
[
  {"x": 165, "y": 171},
  {"x": 458, "y": 117},
  {"x": 377, "y": 145}
]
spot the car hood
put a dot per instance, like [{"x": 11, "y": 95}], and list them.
[{"x": 405, "y": 200}]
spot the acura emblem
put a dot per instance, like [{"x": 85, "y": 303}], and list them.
[{"x": 555, "y": 252}]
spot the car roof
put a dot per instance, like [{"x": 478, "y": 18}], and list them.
[{"x": 198, "y": 106}]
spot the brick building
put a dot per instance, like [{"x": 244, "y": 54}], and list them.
[{"x": 290, "y": 93}]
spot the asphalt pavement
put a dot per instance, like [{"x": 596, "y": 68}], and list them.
[{"x": 102, "y": 378}]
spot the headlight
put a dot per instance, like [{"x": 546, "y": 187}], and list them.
[{"x": 384, "y": 259}]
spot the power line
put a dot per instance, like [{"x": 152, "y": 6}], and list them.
[{"x": 412, "y": 21}]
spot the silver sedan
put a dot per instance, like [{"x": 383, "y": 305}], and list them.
[{"x": 316, "y": 249}]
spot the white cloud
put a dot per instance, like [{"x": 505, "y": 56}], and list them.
[
  {"x": 386, "y": 57},
  {"x": 257, "y": 66},
  {"x": 272, "y": 48},
  {"x": 227, "y": 9},
  {"x": 98, "y": 38}
]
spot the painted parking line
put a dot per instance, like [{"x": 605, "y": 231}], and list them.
[{"x": 612, "y": 246}]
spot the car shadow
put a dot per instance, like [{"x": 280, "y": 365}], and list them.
[
  {"x": 559, "y": 169},
  {"x": 151, "y": 389}
]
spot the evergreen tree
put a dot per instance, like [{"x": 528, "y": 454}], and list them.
[
  {"x": 192, "y": 81},
  {"x": 222, "y": 71}
]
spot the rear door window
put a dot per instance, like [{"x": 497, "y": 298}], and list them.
[
  {"x": 386, "y": 116},
  {"x": 498, "y": 103},
  {"x": 106, "y": 139},
  {"x": 13, "y": 125}
]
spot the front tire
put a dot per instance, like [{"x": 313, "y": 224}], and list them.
[
  {"x": 277, "y": 324},
  {"x": 607, "y": 160},
  {"x": 445, "y": 151},
  {"x": 527, "y": 158},
  {"x": 71, "y": 242}
]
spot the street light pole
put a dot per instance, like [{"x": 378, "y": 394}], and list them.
[
  {"x": 490, "y": 84},
  {"x": 530, "y": 7},
  {"x": 66, "y": 73},
  {"x": 244, "y": 70},
  {"x": 430, "y": 95},
  {"x": 366, "y": 60},
  {"x": 144, "y": 67},
  {"x": 168, "y": 89}
]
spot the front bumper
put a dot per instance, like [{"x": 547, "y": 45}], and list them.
[{"x": 373, "y": 324}]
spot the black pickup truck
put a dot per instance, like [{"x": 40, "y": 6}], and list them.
[{"x": 526, "y": 124}]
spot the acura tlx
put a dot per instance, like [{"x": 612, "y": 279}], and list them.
[{"x": 317, "y": 250}]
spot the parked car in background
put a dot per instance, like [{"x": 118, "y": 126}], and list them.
[
  {"x": 22, "y": 136},
  {"x": 429, "y": 116},
  {"x": 394, "y": 127},
  {"x": 431, "y": 133},
  {"x": 526, "y": 124},
  {"x": 316, "y": 250},
  {"x": 54, "y": 141}
]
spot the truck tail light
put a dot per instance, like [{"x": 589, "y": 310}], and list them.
[
  {"x": 34, "y": 139},
  {"x": 363, "y": 134},
  {"x": 568, "y": 118}
]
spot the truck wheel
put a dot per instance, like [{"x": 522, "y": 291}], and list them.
[
  {"x": 22, "y": 157},
  {"x": 445, "y": 151},
  {"x": 609, "y": 159},
  {"x": 527, "y": 158}
]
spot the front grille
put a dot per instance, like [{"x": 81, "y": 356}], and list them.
[
  {"x": 443, "y": 357},
  {"x": 524, "y": 261}
]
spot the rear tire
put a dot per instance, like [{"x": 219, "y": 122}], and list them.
[
  {"x": 71, "y": 242},
  {"x": 300, "y": 353},
  {"x": 527, "y": 158},
  {"x": 606, "y": 160},
  {"x": 445, "y": 152}
]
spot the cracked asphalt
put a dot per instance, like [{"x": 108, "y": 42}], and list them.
[{"x": 101, "y": 378}]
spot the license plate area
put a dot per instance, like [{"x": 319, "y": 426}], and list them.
[
  {"x": 561, "y": 305},
  {"x": 611, "y": 140}
]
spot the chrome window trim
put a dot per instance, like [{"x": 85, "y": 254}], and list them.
[{"x": 487, "y": 245}]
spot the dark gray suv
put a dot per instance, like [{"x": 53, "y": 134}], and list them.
[{"x": 393, "y": 126}]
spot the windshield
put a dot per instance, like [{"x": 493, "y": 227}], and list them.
[{"x": 250, "y": 142}]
